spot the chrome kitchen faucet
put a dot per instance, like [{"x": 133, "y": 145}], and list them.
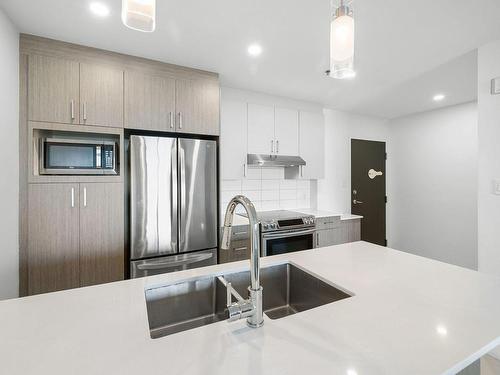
[{"x": 250, "y": 308}]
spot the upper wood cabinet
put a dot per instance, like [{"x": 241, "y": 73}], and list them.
[
  {"x": 197, "y": 106},
  {"x": 53, "y": 232},
  {"x": 53, "y": 90},
  {"x": 149, "y": 101},
  {"x": 260, "y": 129},
  {"x": 312, "y": 145},
  {"x": 101, "y": 233},
  {"x": 69, "y": 92},
  {"x": 101, "y": 95},
  {"x": 286, "y": 131}
]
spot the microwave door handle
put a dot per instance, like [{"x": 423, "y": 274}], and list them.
[{"x": 174, "y": 262}]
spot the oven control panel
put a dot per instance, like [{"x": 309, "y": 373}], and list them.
[{"x": 296, "y": 223}]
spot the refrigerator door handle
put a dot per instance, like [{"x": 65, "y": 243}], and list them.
[
  {"x": 182, "y": 197},
  {"x": 173, "y": 197},
  {"x": 175, "y": 262}
]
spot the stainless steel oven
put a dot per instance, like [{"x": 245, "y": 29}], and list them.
[
  {"x": 285, "y": 231},
  {"x": 65, "y": 156},
  {"x": 286, "y": 241}
]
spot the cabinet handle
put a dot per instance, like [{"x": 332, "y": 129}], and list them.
[
  {"x": 244, "y": 170},
  {"x": 272, "y": 146},
  {"x": 317, "y": 239},
  {"x": 72, "y": 197},
  {"x": 180, "y": 120},
  {"x": 72, "y": 109},
  {"x": 84, "y": 197},
  {"x": 277, "y": 146},
  {"x": 171, "y": 120},
  {"x": 240, "y": 248},
  {"x": 84, "y": 111},
  {"x": 301, "y": 171}
]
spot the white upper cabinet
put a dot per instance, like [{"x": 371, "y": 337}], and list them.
[
  {"x": 312, "y": 145},
  {"x": 286, "y": 129},
  {"x": 233, "y": 139},
  {"x": 261, "y": 129}
]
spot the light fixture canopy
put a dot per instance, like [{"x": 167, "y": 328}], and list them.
[
  {"x": 139, "y": 15},
  {"x": 342, "y": 43}
]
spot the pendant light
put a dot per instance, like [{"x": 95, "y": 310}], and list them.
[
  {"x": 139, "y": 14},
  {"x": 342, "y": 43}
]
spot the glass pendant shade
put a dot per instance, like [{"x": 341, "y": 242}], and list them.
[
  {"x": 139, "y": 14},
  {"x": 342, "y": 44}
]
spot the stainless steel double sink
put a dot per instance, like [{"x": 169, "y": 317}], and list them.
[{"x": 287, "y": 290}]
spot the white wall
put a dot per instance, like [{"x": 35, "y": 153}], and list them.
[
  {"x": 9, "y": 154},
  {"x": 433, "y": 189},
  {"x": 489, "y": 160},
  {"x": 334, "y": 191}
]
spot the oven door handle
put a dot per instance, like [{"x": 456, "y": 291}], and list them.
[{"x": 272, "y": 236}]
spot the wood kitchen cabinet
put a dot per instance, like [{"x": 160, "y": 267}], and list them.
[
  {"x": 312, "y": 145},
  {"x": 149, "y": 101},
  {"x": 53, "y": 89},
  {"x": 233, "y": 140},
  {"x": 260, "y": 129},
  {"x": 66, "y": 91},
  {"x": 75, "y": 235},
  {"x": 101, "y": 233},
  {"x": 101, "y": 95},
  {"x": 53, "y": 227},
  {"x": 197, "y": 105}
]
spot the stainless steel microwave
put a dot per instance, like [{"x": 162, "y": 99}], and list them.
[{"x": 59, "y": 156}]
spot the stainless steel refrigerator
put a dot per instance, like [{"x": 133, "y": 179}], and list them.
[{"x": 173, "y": 204}]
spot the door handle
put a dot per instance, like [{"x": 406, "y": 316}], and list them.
[
  {"x": 355, "y": 201},
  {"x": 84, "y": 197},
  {"x": 171, "y": 120},
  {"x": 72, "y": 109},
  {"x": 72, "y": 197},
  {"x": 84, "y": 111},
  {"x": 180, "y": 120}
]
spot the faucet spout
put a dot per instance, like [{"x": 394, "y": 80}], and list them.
[{"x": 255, "y": 318}]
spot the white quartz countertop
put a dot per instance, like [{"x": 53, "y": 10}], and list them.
[
  {"x": 240, "y": 220},
  {"x": 408, "y": 315}
]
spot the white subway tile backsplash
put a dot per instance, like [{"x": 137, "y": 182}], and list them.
[
  {"x": 268, "y": 190},
  {"x": 270, "y": 195},
  {"x": 273, "y": 173},
  {"x": 231, "y": 185},
  {"x": 251, "y": 184}
]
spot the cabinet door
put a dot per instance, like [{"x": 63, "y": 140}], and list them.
[
  {"x": 312, "y": 145},
  {"x": 233, "y": 139},
  {"x": 197, "y": 105},
  {"x": 287, "y": 131},
  {"x": 101, "y": 95},
  {"x": 101, "y": 233},
  {"x": 53, "y": 232},
  {"x": 260, "y": 129},
  {"x": 149, "y": 102},
  {"x": 53, "y": 90},
  {"x": 328, "y": 237}
]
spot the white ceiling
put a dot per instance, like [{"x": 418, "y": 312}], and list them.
[{"x": 398, "y": 44}]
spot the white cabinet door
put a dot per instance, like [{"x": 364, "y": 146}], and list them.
[
  {"x": 286, "y": 128},
  {"x": 233, "y": 139},
  {"x": 260, "y": 129},
  {"x": 311, "y": 144}
]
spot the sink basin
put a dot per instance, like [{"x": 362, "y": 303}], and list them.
[{"x": 287, "y": 290}]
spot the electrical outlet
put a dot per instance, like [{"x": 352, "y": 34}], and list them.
[{"x": 496, "y": 186}]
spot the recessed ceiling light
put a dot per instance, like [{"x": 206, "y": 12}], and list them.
[
  {"x": 254, "y": 50},
  {"x": 441, "y": 330},
  {"x": 99, "y": 9},
  {"x": 438, "y": 97}
]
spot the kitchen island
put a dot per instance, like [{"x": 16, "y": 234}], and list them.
[{"x": 407, "y": 315}]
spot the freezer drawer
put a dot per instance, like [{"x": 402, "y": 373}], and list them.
[{"x": 155, "y": 266}]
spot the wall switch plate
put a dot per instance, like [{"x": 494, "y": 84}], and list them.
[
  {"x": 495, "y": 86},
  {"x": 496, "y": 186}
]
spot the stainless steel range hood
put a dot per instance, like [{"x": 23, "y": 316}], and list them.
[{"x": 263, "y": 160}]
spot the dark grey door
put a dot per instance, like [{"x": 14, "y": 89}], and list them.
[{"x": 368, "y": 188}]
